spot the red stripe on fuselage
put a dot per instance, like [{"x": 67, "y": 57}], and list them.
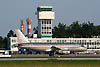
[{"x": 46, "y": 47}]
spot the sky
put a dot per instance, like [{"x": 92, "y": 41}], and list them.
[{"x": 66, "y": 11}]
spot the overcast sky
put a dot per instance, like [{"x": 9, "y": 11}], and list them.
[{"x": 66, "y": 11}]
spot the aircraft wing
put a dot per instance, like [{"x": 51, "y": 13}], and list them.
[{"x": 53, "y": 48}]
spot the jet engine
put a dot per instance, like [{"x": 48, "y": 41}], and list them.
[{"x": 64, "y": 52}]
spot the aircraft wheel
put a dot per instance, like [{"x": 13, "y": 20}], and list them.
[{"x": 52, "y": 53}]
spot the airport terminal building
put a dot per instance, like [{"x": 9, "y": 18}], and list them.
[
  {"x": 92, "y": 44},
  {"x": 45, "y": 15}
]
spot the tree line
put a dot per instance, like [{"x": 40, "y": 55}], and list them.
[
  {"x": 76, "y": 30},
  {"x": 4, "y": 41}
]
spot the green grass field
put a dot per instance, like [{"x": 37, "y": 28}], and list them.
[
  {"x": 50, "y": 62},
  {"x": 61, "y": 56}
]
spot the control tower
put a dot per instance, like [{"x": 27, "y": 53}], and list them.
[{"x": 45, "y": 16}]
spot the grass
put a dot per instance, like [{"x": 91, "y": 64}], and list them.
[
  {"x": 50, "y": 62},
  {"x": 33, "y": 56},
  {"x": 49, "y": 65}
]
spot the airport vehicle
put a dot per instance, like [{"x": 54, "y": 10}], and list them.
[{"x": 52, "y": 48}]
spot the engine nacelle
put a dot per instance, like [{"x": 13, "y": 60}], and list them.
[{"x": 64, "y": 52}]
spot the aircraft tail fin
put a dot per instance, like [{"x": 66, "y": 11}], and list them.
[{"x": 20, "y": 37}]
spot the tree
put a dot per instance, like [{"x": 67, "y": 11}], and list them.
[
  {"x": 88, "y": 30},
  {"x": 98, "y": 30},
  {"x": 10, "y": 34},
  {"x": 1, "y": 39},
  {"x": 5, "y": 43},
  {"x": 35, "y": 30},
  {"x": 75, "y": 29},
  {"x": 60, "y": 31},
  {"x": 85, "y": 30},
  {"x": 2, "y": 45}
]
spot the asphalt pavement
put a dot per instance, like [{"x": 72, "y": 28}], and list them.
[{"x": 49, "y": 58}]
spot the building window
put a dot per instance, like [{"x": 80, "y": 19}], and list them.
[
  {"x": 49, "y": 27},
  {"x": 57, "y": 41},
  {"x": 49, "y": 32},
  {"x": 50, "y": 22},
  {"x": 44, "y": 32},
  {"x": 62, "y": 41},
  {"x": 47, "y": 21},
  {"x": 14, "y": 41},
  {"x": 47, "y": 40},
  {"x": 42, "y": 22},
  {"x": 44, "y": 27},
  {"x": 65, "y": 41}
]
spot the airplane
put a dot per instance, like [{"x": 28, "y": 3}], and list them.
[{"x": 52, "y": 48}]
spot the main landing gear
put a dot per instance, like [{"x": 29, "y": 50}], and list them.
[{"x": 52, "y": 53}]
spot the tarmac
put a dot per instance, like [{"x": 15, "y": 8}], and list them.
[
  {"x": 59, "y": 57},
  {"x": 49, "y": 58}
]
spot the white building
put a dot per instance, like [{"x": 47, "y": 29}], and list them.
[{"x": 92, "y": 44}]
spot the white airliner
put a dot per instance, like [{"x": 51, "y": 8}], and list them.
[{"x": 47, "y": 47}]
